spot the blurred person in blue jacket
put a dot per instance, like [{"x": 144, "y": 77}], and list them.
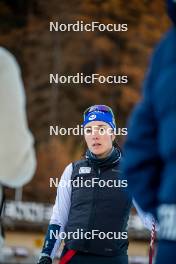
[{"x": 150, "y": 150}]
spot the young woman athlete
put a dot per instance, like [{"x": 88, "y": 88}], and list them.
[{"x": 92, "y": 206}]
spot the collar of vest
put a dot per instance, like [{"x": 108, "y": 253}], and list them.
[{"x": 111, "y": 160}]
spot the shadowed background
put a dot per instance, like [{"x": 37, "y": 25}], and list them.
[{"x": 24, "y": 30}]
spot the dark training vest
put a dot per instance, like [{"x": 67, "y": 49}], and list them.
[{"x": 96, "y": 208}]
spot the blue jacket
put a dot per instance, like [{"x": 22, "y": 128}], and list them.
[
  {"x": 150, "y": 150},
  {"x": 171, "y": 6}
]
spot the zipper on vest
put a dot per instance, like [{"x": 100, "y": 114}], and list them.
[
  {"x": 96, "y": 192},
  {"x": 93, "y": 211}
]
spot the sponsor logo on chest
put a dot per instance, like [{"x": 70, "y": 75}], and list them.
[{"x": 83, "y": 170}]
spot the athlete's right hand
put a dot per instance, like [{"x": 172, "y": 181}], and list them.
[{"x": 45, "y": 260}]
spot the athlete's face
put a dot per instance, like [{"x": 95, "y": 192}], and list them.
[{"x": 99, "y": 138}]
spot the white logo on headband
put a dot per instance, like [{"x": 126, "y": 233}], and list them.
[{"x": 92, "y": 117}]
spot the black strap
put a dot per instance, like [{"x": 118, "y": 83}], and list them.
[
  {"x": 2, "y": 200},
  {"x": 2, "y": 204}
]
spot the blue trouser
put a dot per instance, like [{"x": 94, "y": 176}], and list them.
[
  {"x": 166, "y": 252},
  {"x": 85, "y": 258}
]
